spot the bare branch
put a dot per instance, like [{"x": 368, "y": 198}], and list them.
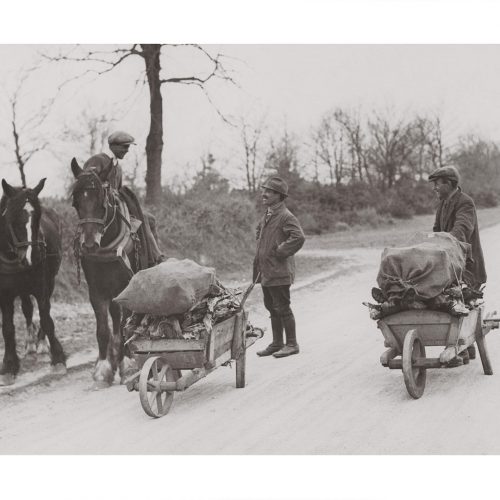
[{"x": 95, "y": 56}]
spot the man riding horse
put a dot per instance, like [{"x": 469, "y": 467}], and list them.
[{"x": 109, "y": 170}]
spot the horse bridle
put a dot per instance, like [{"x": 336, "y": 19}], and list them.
[
  {"x": 105, "y": 187},
  {"x": 21, "y": 244},
  {"x": 16, "y": 244}
]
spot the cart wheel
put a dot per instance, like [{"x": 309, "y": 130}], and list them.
[
  {"x": 155, "y": 402},
  {"x": 413, "y": 348}
]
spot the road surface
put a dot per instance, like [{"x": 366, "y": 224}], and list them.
[{"x": 333, "y": 398}]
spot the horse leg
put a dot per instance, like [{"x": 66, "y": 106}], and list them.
[
  {"x": 57, "y": 356},
  {"x": 10, "y": 366},
  {"x": 103, "y": 371},
  {"x": 127, "y": 366},
  {"x": 27, "y": 308}
]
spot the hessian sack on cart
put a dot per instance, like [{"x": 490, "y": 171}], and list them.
[
  {"x": 172, "y": 287},
  {"x": 430, "y": 263}
]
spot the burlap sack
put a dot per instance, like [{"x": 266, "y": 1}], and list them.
[
  {"x": 171, "y": 287},
  {"x": 430, "y": 263}
]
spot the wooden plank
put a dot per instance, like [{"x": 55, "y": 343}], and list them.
[
  {"x": 184, "y": 360},
  {"x": 430, "y": 335},
  {"x": 468, "y": 326},
  {"x": 223, "y": 334},
  {"x": 210, "y": 351},
  {"x": 240, "y": 370},
  {"x": 397, "y": 364},
  {"x": 238, "y": 343},
  {"x": 223, "y": 358},
  {"x": 481, "y": 345},
  {"x": 388, "y": 355},
  {"x": 391, "y": 340},
  {"x": 418, "y": 317},
  {"x": 453, "y": 332},
  {"x": 192, "y": 376},
  {"x": 166, "y": 345},
  {"x": 428, "y": 363},
  {"x": 483, "y": 353}
]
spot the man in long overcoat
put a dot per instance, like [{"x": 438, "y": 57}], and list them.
[
  {"x": 279, "y": 237},
  {"x": 456, "y": 214}
]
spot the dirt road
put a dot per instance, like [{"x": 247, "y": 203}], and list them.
[{"x": 333, "y": 398}]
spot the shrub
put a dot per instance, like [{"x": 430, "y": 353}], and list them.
[
  {"x": 215, "y": 230},
  {"x": 342, "y": 226}
]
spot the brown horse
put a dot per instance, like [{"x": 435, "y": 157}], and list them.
[
  {"x": 109, "y": 255},
  {"x": 30, "y": 256}
]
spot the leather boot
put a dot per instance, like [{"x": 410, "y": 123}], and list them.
[
  {"x": 291, "y": 346},
  {"x": 277, "y": 342}
]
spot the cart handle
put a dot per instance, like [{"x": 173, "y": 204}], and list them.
[{"x": 247, "y": 292}]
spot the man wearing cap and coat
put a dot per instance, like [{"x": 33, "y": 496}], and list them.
[
  {"x": 109, "y": 170},
  {"x": 456, "y": 214},
  {"x": 279, "y": 237}
]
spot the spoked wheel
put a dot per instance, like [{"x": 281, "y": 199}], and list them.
[
  {"x": 154, "y": 401},
  {"x": 413, "y": 349}
]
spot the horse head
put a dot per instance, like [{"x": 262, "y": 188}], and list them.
[
  {"x": 93, "y": 201},
  {"x": 20, "y": 214}
]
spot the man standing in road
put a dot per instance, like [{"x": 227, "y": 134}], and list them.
[
  {"x": 456, "y": 214},
  {"x": 279, "y": 237}
]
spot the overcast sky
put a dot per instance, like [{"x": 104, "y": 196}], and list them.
[{"x": 291, "y": 85}]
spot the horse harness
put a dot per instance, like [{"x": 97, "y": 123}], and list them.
[
  {"x": 12, "y": 265},
  {"x": 118, "y": 249}
]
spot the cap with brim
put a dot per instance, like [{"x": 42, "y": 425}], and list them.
[
  {"x": 450, "y": 173},
  {"x": 120, "y": 138},
  {"x": 276, "y": 184}
]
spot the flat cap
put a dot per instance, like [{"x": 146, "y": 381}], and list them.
[
  {"x": 450, "y": 173},
  {"x": 119, "y": 137},
  {"x": 276, "y": 184}
]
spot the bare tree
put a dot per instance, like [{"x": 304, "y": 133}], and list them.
[
  {"x": 356, "y": 140},
  {"x": 90, "y": 130},
  {"x": 251, "y": 136},
  {"x": 391, "y": 148},
  {"x": 151, "y": 55},
  {"x": 330, "y": 144},
  {"x": 25, "y": 127}
]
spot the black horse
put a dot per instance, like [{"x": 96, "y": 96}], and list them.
[
  {"x": 30, "y": 256},
  {"x": 109, "y": 251}
]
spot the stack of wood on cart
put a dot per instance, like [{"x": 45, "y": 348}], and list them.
[
  {"x": 178, "y": 299},
  {"x": 428, "y": 273}
]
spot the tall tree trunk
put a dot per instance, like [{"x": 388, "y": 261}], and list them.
[{"x": 154, "y": 142}]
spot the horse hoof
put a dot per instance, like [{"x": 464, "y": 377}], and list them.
[
  {"x": 59, "y": 369},
  {"x": 7, "y": 379}
]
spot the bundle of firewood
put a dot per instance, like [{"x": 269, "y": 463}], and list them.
[{"x": 219, "y": 304}]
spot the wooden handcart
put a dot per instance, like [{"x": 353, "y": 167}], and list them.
[
  {"x": 407, "y": 333},
  {"x": 161, "y": 361}
]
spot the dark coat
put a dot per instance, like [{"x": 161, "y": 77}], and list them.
[
  {"x": 458, "y": 216},
  {"x": 103, "y": 165},
  {"x": 277, "y": 241}
]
